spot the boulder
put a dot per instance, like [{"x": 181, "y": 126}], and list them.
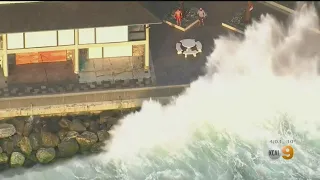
[
  {"x": 35, "y": 141},
  {"x": 64, "y": 123},
  {"x": 37, "y": 126},
  {"x": 3, "y": 158},
  {"x": 105, "y": 126},
  {"x": 62, "y": 133},
  {"x": 70, "y": 135},
  {"x": 68, "y": 148},
  {"x": 25, "y": 146},
  {"x": 76, "y": 125},
  {"x": 94, "y": 126},
  {"x": 97, "y": 147},
  {"x": 19, "y": 125},
  {"x": 86, "y": 122},
  {"x": 16, "y": 139},
  {"x": 104, "y": 116},
  {"x": 7, "y": 146},
  {"x": 45, "y": 155},
  {"x": 86, "y": 140},
  {"x": 49, "y": 139},
  {"x": 27, "y": 128},
  {"x": 17, "y": 159},
  {"x": 110, "y": 117},
  {"x": 7, "y": 130},
  {"x": 53, "y": 125},
  {"x": 103, "y": 135},
  {"x": 33, "y": 157}
]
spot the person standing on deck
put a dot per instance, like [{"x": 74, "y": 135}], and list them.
[
  {"x": 178, "y": 16},
  {"x": 248, "y": 12},
  {"x": 202, "y": 14}
]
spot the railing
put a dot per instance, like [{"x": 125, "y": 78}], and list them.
[{"x": 91, "y": 97}]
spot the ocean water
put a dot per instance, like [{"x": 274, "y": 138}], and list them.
[{"x": 259, "y": 88}]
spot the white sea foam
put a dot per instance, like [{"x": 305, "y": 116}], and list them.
[{"x": 266, "y": 87}]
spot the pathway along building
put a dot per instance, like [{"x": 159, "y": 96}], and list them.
[{"x": 39, "y": 32}]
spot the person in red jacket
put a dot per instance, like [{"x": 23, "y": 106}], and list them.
[{"x": 178, "y": 16}]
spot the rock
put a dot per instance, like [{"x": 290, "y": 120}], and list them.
[
  {"x": 94, "y": 126},
  {"x": 53, "y": 125},
  {"x": 71, "y": 135},
  {"x": 76, "y": 125},
  {"x": 35, "y": 141},
  {"x": 17, "y": 159},
  {"x": 105, "y": 126},
  {"x": 64, "y": 123},
  {"x": 29, "y": 163},
  {"x": 3, "y": 158},
  {"x": 104, "y": 116},
  {"x": 49, "y": 139},
  {"x": 7, "y": 130},
  {"x": 33, "y": 157},
  {"x": 86, "y": 122},
  {"x": 16, "y": 139},
  {"x": 68, "y": 148},
  {"x": 103, "y": 135},
  {"x": 31, "y": 160},
  {"x": 45, "y": 155},
  {"x": 19, "y": 125},
  {"x": 1, "y": 151},
  {"x": 86, "y": 140},
  {"x": 7, "y": 146},
  {"x": 97, "y": 147},
  {"x": 27, "y": 128},
  {"x": 110, "y": 117},
  {"x": 62, "y": 133},
  {"x": 25, "y": 146}
]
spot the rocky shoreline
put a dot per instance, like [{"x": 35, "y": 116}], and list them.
[{"x": 27, "y": 141}]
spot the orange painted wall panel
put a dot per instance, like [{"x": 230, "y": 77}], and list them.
[
  {"x": 53, "y": 56},
  {"x": 39, "y": 57},
  {"x": 27, "y": 58}
]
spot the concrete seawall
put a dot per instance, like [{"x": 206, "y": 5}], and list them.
[{"x": 71, "y": 103}]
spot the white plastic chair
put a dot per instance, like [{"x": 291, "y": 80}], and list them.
[
  {"x": 178, "y": 48},
  {"x": 190, "y": 52},
  {"x": 199, "y": 46}
]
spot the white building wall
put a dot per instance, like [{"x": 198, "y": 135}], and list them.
[
  {"x": 95, "y": 53},
  {"x": 117, "y": 51},
  {"x": 66, "y": 37},
  {"x": 15, "y": 40},
  {"x": 40, "y": 39},
  {"x": 112, "y": 34},
  {"x": 86, "y": 36}
]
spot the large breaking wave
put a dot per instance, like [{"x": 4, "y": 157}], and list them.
[{"x": 256, "y": 89}]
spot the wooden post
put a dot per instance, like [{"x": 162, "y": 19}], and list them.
[
  {"x": 146, "y": 50},
  {"x": 76, "y": 51},
  {"x": 4, "y": 54}
]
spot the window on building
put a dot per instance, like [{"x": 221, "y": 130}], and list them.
[{"x": 137, "y": 32}]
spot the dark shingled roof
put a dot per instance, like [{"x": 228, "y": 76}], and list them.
[{"x": 56, "y": 15}]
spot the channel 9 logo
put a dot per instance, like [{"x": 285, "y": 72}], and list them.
[{"x": 286, "y": 152}]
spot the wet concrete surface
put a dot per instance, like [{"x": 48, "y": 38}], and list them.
[{"x": 170, "y": 68}]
